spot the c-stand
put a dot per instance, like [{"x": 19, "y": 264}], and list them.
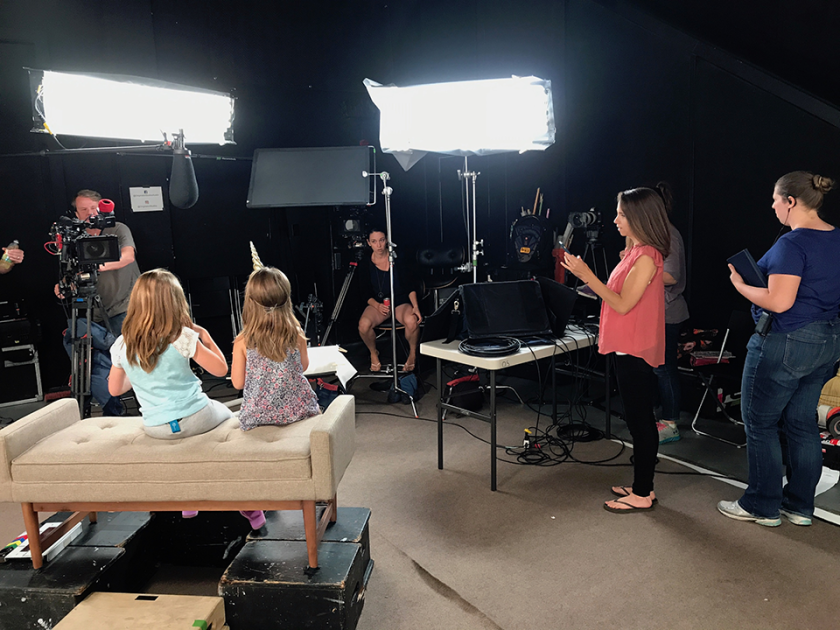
[{"x": 392, "y": 257}]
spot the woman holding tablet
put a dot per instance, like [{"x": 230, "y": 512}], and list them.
[{"x": 789, "y": 361}]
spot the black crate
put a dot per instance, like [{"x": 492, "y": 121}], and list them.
[
  {"x": 351, "y": 526},
  {"x": 128, "y": 531},
  {"x": 40, "y": 598},
  {"x": 210, "y": 539},
  {"x": 266, "y": 587}
]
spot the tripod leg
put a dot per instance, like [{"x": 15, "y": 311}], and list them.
[{"x": 340, "y": 301}]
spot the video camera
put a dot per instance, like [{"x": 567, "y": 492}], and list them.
[
  {"x": 353, "y": 226},
  {"x": 80, "y": 254}
]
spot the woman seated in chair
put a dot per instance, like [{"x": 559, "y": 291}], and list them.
[{"x": 375, "y": 280}]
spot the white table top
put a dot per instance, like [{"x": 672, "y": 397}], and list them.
[{"x": 574, "y": 339}]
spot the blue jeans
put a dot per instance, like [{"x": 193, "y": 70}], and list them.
[
  {"x": 784, "y": 374},
  {"x": 668, "y": 376},
  {"x": 100, "y": 367}
]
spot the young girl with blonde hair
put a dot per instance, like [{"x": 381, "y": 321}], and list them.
[
  {"x": 270, "y": 357},
  {"x": 152, "y": 356}
]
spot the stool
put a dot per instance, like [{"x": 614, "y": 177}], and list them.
[{"x": 383, "y": 331}]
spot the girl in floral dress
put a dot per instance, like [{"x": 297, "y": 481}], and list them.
[{"x": 269, "y": 355}]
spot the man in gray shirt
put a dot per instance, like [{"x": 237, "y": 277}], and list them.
[
  {"x": 114, "y": 285},
  {"x": 116, "y": 279}
]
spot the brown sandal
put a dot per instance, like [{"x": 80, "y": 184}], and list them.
[
  {"x": 624, "y": 510},
  {"x": 625, "y": 491}
]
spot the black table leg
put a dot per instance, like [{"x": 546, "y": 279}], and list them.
[
  {"x": 493, "y": 430},
  {"x": 440, "y": 413}
]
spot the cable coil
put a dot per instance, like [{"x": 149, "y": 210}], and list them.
[{"x": 490, "y": 347}]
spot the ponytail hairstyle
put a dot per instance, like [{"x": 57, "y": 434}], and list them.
[
  {"x": 664, "y": 190},
  {"x": 645, "y": 212},
  {"x": 269, "y": 324},
  {"x": 805, "y": 187},
  {"x": 157, "y": 313}
]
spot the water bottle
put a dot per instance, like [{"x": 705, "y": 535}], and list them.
[{"x": 6, "y": 262}]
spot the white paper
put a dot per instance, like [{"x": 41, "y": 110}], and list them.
[
  {"x": 146, "y": 199},
  {"x": 828, "y": 480},
  {"x": 329, "y": 360}
]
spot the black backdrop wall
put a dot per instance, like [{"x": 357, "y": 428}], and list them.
[{"x": 636, "y": 101}]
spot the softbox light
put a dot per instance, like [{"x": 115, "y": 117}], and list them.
[
  {"x": 125, "y": 107},
  {"x": 464, "y": 118}
]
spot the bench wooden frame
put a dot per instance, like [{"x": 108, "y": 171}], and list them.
[{"x": 313, "y": 527}]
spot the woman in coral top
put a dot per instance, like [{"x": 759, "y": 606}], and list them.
[{"x": 633, "y": 327}]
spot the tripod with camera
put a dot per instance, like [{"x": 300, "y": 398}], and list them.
[
  {"x": 80, "y": 256},
  {"x": 593, "y": 254}
]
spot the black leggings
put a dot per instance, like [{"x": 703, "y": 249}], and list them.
[{"x": 634, "y": 385}]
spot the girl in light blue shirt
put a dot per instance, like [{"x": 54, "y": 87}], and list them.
[{"x": 153, "y": 355}]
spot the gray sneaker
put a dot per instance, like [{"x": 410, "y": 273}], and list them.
[
  {"x": 796, "y": 519},
  {"x": 667, "y": 433},
  {"x": 733, "y": 509}
]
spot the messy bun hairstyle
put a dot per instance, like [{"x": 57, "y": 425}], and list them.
[{"x": 805, "y": 187}]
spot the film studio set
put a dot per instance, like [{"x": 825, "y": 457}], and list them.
[{"x": 420, "y": 315}]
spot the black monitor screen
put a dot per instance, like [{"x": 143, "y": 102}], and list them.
[{"x": 310, "y": 177}]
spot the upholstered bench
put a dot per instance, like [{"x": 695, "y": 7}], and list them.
[{"x": 52, "y": 461}]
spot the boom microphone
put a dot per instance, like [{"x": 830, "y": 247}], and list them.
[{"x": 183, "y": 188}]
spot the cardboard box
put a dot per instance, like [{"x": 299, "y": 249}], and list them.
[{"x": 118, "y": 611}]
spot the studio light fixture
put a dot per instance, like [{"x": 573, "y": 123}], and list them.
[
  {"x": 125, "y": 107},
  {"x": 464, "y": 118}
]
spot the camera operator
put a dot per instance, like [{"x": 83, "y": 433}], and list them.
[
  {"x": 113, "y": 285},
  {"x": 116, "y": 279}
]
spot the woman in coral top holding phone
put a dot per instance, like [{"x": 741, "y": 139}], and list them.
[{"x": 633, "y": 327}]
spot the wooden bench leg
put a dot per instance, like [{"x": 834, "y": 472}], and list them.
[
  {"x": 33, "y": 534},
  {"x": 310, "y": 528},
  {"x": 92, "y": 517},
  {"x": 334, "y": 503}
]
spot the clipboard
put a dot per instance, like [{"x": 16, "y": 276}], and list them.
[{"x": 745, "y": 265}]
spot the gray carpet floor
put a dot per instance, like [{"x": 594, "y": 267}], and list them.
[{"x": 541, "y": 552}]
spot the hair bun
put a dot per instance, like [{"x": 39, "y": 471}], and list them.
[{"x": 823, "y": 184}]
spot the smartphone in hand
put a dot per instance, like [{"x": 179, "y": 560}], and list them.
[
  {"x": 584, "y": 291},
  {"x": 561, "y": 246}
]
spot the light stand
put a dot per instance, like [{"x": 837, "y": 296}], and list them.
[
  {"x": 472, "y": 244},
  {"x": 392, "y": 257}
]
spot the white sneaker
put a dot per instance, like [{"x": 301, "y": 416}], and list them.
[
  {"x": 667, "y": 432},
  {"x": 733, "y": 509},
  {"x": 796, "y": 519}
]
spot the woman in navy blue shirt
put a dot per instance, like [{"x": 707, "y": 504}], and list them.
[{"x": 786, "y": 367}]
